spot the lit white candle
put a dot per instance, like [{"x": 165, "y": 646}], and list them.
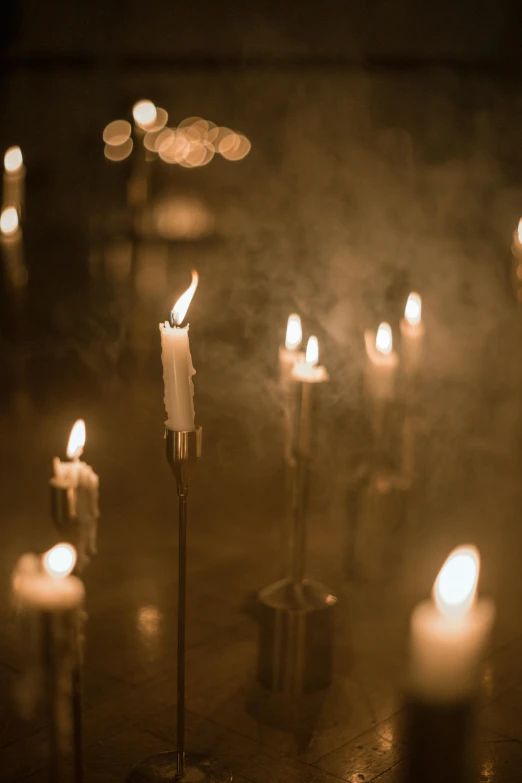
[
  {"x": 177, "y": 365},
  {"x": 46, "y": 584},
  {"x": 449, "y": 633},
  {"x": 67, "y": 473},
  {"x": 12, "y": 247},
  {"x": 412, "y": 335},
  {"x": 289, "y": 353},
  {"x": 145, "y": 114},
  {"x": 381, "y": 364},
  {"x": 310, "y": 371},
  {"x": 14, "y": 178}
]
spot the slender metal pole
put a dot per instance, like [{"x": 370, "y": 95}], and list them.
[
  {"x": 182, "y": 602},
  {"x": 51, "y": 674},
  {"x": 76, "y": 698}
]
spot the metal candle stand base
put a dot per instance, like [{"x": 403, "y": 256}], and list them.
[
  {"x": 164, "y": 767},
  {"x": 295, "y": 643},
  {"x": 183, "y": 452}
]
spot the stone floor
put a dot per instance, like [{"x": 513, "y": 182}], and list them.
[{"x": 358, "y": 189}]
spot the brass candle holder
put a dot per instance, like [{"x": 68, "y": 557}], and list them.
[{"x": 183, "y": 452}]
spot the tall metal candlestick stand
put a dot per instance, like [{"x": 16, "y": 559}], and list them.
[
  {"x": 63, "y": 512},
  {"x": 183, "y": 452},
  {"x": 295, "y": 645}
]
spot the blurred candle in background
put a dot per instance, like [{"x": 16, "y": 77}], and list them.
[
  {"x": 449, "y": 633},
  {"x": 310, "y": 371},
  {"x": 516, "y": 262},
  {"x": 14, "y": 179},
  {"x": 289, "y": 353},
  {"x": 11, "y": 243},
  {"x": 381, "y": 363},
  {"x": 412, "y": 335},
  {"x": 177, "y": 365}
]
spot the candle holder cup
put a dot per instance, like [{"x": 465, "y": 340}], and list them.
[{"x": 183, "y": 450}]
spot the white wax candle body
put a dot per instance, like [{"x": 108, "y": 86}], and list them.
[
  {"x": 13, "y": 188},
  {"x": 412, "y": 341},
  {"x": 35, "y": 589},
  {"x": 381, "y": 369},
  {"x": 177, "y": 376},
  {"x": 446, "y": 652},
  {"x": 287, "y": 360},
  {"x": 13, "y": 258},
  {"x": 82, "y": 484},
  {"x": 67, "y": 473},
  {"x": 309, "y": 373}
]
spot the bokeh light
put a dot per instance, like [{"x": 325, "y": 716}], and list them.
[
  {"x": 60, "y": 560},
  {"x": 9, "y": 221},
  {"x": 13, "y": 160},
  {"x": 145, "y": 114},
  {"x": 120, "y": 152}
]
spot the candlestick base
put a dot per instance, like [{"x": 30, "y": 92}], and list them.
[
  {"x": 183, "y": 452},
  {"x": 163, "y": 767},
  {"x": 296, "y": 637}
]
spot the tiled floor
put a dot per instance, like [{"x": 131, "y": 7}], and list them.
[{"x": 358, "y": 188}]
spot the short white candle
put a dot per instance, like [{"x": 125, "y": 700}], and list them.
[
  {"x": 45, "y": 584},
  {"x": 14, "y": 178},
  {"x": 412, "y": 335},
  {"x": 449, "y": 633},
  {"x": 310, "y": 371},
  {"x": 12, "y": 247},
  {"x": 67, "y": 473},
  {"x": 177, "y": 365},
  {"x": 289, "y": 353},
  {"x": 381, "y": 363}
]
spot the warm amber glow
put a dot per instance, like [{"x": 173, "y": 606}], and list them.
[
  {"x": 384, "y": 339},
  {"x": 60, "y": 560},
  {"x": 312, "y": 351},
  {"x": 294, "y": 332},
  {"x": 76, "y": 440},
  {"x": 144, "y": 113},
  {"x": 239, "y": 150},
  {"x": 118, "y": 152},
  {"x": 9, "y": 221},
  {"x": 13, "y": 160},
  {"x": 456, "y": 585},
  {"x": 519, "y": 231},
  {"x": 160, "y": 120},
  {"x": 117, "y": 132},
  {"x": 179, "y": 310},
  {"x": 413, "y": 309}
]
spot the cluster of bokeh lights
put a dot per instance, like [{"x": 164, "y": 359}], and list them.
[{"x": 191, "y": 144}]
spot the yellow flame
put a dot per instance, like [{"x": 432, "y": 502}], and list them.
[
  {"x": 413, "y": 309},
  {"x": 456, "y": 585},
  {"x": 179, "y": 310},
  {"x": 76, "y": 440},
  {"x": 384, "y": 339},
  {"x": 519, "y": 231},
  {"x": 312, "y": 351},
  {"x": 60, "y": 560},
  {"x": 13, "y": 160},
  {"x": 294, "y": 332},
  {"x": 144, "y": 113},
  {"x": 9, "y": 221}
]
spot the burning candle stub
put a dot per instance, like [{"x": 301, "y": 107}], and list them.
[
  {"x": 177, "y": 365},
  {"x": 12, "y": 247},
  {"x": 289, "y": 353},
  {"x": 14, "y": 178},
  {"x": 449, "y": 633},
  {"x": 310, "y": 371},
  {"x": 81, "y": 484},
  {"x": 412, "y": 335},
  {"x": 46, "y": 583},
  {"x": 382, "y": 363}
]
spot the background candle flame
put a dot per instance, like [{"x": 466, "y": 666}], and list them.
[
  {"x": 144, "y": 113},
  {"x": 456, "y": 585},
  {"x": 13, "y": 159},
  {"x": 312, "y": 351},
  {"x": 60, "y": 560},
  {"x": 76, "y": 440},
  {"x": 384, "y": 339},
  {"x": 294, "y": 332},
  {"x": 9, "y": 221},
  {"x": 413, "y": 309},
  {"x": 179, "y": 310}
]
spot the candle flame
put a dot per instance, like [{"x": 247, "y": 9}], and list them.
[
  {"x": 13, "y": 160},
  {"x": 312, "y": 351},
  {"x": 456, "y": 585},
  {"x": 76, "y": 440},
  {"x": 413, "y": 309},
  {"x": 294, "y": 332},
  {"x": 60, "y": 560},
  {"x": 9, "y": 221},
  {"x": 519, "y": 231},
  {"x": 144, "y": 113},
  {"x": 384, "y": 339},
  {"x": 179, "y": 310}
]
